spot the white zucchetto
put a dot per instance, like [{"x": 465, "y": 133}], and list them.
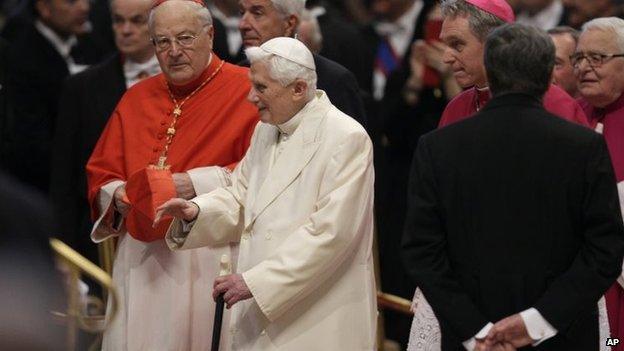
[{"x": 291, "y": 49}]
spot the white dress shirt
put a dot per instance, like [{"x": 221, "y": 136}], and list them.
[
  {"x": 546, "y": 19},
  {"x": 234, "y": 38},
  {"x": 399, "y": 34},
  {"x": 63, "y": 47},
  {"x": 133, "y": 70}
]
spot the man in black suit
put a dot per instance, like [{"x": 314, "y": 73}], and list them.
[
  {"x": 514, "y": 216},
  {"x": 46, "y": 50},
  {"x": 263, "y": 20},
  {"x": 87, "y": 101}
]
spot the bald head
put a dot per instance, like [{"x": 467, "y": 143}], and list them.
[{"x": 189, "y": 11}]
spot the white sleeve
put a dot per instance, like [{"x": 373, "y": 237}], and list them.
[
  {"x": 103, "y": 226},
  {"x": 471, "y": 343},
  {"x": 207, "y": 179},
  {"x": 538, "y": 328}
]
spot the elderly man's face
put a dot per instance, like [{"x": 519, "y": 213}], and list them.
[
  {"x": 66, "y": 17},
  {"x": 604, "y": 84},
  {"x": 276, "y": 103},
  {"x": 261, "y": 21},
  {"x": 181, "y": 64},
  {"x": 563, "y": 73},
  {"x": 464, "y": 52},
  {"x": 130, "y": 28}
]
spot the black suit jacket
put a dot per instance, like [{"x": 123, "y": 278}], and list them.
[
  {"x": 35, "y": 81},
  {"x": 510, "y": 209},
  {"x": 340, "y": 85},
  {"x": 87, "y": 101}
]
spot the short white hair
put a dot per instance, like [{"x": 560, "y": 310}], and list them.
[
  {"x": 290, "y": 7},
  {"x": 202, "y": 14},
  {"x": 613, "y": 24},
  {"x": 282, "y": 70}
]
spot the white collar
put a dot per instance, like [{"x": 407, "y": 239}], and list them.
[
  {"x": 230, "y": 23},
  {"x": 63, "y": 47},
  {"x": 546, "y": 19},
  {"x": 291, "y": 125},
  {"x": 133, "y": 69},
  {"x": 408, "y": 20},
  {"x": 405, "y": 23}
]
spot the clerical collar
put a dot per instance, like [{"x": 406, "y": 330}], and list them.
[
  {"x": 291, "y": 125},
  {"x": 134, "y": 70},
  {"x": 482, "y": 96},
  {"x": 63, "y": 47}
]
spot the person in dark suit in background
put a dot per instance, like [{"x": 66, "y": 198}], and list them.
[
  {"x": 87, "y": 101},
  {"x": 228, "y": 44},
  {"x": 44, "y": 52},
  {"x": 266, "y": 19},
  {"x": 514, "y": 214}
]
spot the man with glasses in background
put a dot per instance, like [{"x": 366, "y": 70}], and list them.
[
  {"x": 598, "y": 63},
  {"x": 194, "y": 123}
]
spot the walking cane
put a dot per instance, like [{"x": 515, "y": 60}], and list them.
[{"x": 218, "y": 319}]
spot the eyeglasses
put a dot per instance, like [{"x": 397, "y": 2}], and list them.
[
  {"x": 183, "y": 40},
  {"x": 594, "y": 59}
]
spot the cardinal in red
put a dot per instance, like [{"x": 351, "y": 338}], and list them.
[{"x": 176, "y": 134}]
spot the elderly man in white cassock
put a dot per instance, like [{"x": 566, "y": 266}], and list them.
[{"x": 301, "y": 206}]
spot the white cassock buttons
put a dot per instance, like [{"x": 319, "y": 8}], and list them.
[{"x": 268, "y": 235}]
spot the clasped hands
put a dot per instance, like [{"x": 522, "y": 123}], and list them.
[{"x": 508, "y": 334}]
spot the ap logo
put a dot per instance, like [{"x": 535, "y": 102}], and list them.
[{"x": 613, "y": 341}]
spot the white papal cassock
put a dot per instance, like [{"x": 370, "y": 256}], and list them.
[{"x": 301, "y": 205}]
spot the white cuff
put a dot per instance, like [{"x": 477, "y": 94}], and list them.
[
  {"x": 471, "y": 343},
  {"x": 102, "y": 229},
  {"x": 538, "y": 328},
  {"x": 207, "y": 179}
]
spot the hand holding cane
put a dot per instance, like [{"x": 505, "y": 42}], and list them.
[{"x": 218, "y": 319}]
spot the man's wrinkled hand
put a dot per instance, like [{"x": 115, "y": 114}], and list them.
[
  {"x": 121, "y": 200},
  {"x": 511, "y": 330},
  {"x": 233, "y": 288},
  {"x": 178, "y": 208},
  {"x": 488, "y": 345},
  {"x": 184, "y": 185}
]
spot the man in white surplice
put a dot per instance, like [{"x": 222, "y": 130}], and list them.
[{"x": 301, "y": 206}]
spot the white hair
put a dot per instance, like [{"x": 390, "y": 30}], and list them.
[
  {"x": 317, "y": 36},
  {"x": 282, "y": 70},
  {"x": 612, "y": 24},
  {"x": 202, "y": 14},
  {"x": 290, "y": 7}
]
